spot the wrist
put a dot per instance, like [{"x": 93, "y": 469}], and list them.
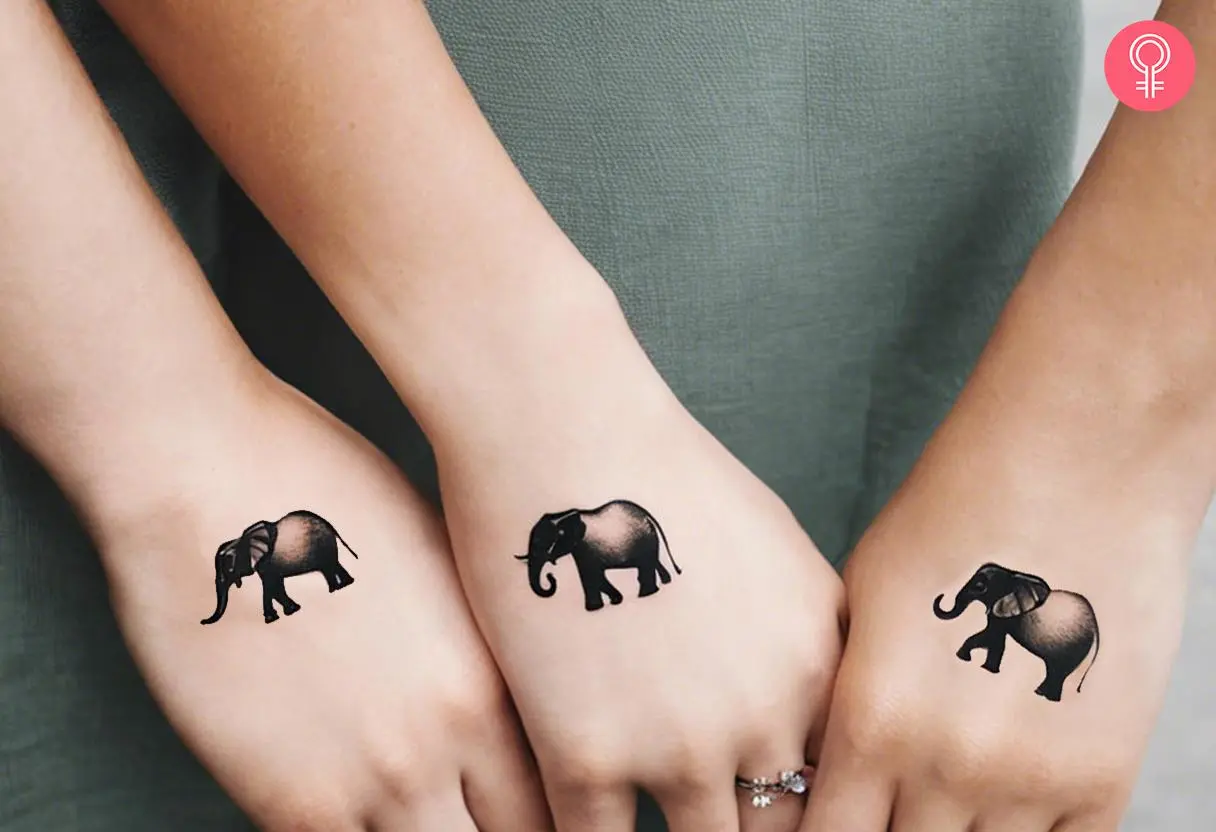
[
  {"x": 1060, "y": 449},
  {"x": 1119, "y": 330},
  {"x": 1072, "y": 404},
  {"x": 1062, "y": 489},
  {"x": 125, "y": 460},
  {"x": 524, "y": 355}
]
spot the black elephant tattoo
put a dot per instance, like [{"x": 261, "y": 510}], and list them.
[
  {"x": 1057, "y": 626},
  {"x": 297, "y": 543},
  {"x": 617, "y": 535}
]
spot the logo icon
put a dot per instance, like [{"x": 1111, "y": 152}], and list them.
[
  {"x": 1150, "y": 66},
  {"x": 1150, "y": 86}
]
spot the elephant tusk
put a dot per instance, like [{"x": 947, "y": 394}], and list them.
[{"x": 520, "y": 557}]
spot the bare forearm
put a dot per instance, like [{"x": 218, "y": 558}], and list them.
[
  {"x": 1102, "y": 372},
  {"x": 1130, "y": 266},
  {"x": 110, "y": 341},
  {"x": 352, "y": 130}
]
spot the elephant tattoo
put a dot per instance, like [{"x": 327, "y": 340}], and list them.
[
  {"x": 1057, "y": 626},
  {"x": 617, "y": 535},
  {"x": 297, "y": 543}
]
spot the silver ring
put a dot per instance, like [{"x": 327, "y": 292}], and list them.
[{"x": 765, "y": 790}]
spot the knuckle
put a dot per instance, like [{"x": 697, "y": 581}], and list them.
[
  {"x": 865, "y": 740},
  {"x": 310, "y": 810},
  {"x": 978, "y": 757},
  {"x": 688, "y": 765},
  {"x": 401, "y": 776},
  {"x": 467, "y": 698},
  {"x": 1103, "y": 780},
  {"x": 1108, "y": 783},
  {"x": 467, "y": 708},
  {"x": 1100, "y": 795},
  {"x": 963, "y": 761},
  {"x": 587, "y": 769}
]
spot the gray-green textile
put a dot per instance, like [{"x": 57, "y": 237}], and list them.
[{"x": 812, "y": 212}]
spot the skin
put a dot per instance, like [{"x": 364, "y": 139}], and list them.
[
  {"x": 1082, "y": 451},
  {"x": 377, "y": 707},
  {"x": 351, "y": 129}
]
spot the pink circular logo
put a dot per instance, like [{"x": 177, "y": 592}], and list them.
[{"x": 1150, "y": 66}]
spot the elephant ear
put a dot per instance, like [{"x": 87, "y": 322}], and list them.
[
  {"x": 260, "y": 538},
  {"x": 227, "y": 551},
  {"x": 1028, "y": 592},
  {"x": 574, "y": 526}
]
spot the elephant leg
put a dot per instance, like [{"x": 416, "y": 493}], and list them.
[
  {"x": 593, "y": 581},
  {"x": 344, "y": 578},
  {"x": 996, "y": 651},
  {"x": 647, "y": 584},
  {"x": 614, "y": 594},
  {"x": 1052, "y": 687},
  {"x": 290, "y": 607},
  {"x": 975, "y": 642},
  {"x": 331, "y": 579},
  {"x": 664, "y": 575},
  {"x": 336, "y": 577},
  {"x": 268, "y": 610}
]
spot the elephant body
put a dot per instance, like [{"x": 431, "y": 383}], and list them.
[
  {"x": 1058, "y": 626},
  {"x": 297, "y": 543},
  {"x": 1050, "y": 631},
  {"x": 617, "y": 535}
]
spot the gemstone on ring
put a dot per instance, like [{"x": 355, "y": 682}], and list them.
[
  {"x": 764, "y": 791},
  {"x": 793, "y": 782}
]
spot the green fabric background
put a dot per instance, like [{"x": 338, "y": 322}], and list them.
[{"x": 812, "y": 212}]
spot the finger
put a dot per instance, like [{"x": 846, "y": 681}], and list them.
[
  {"x": 708, "y": 808},
  {"x": 848, "y": 794},
  {"x": 502, "y": 787},
  {"x": 1018, "y": 821},
  {"x": 1030, "y": 811},
  {"x": 444, "y": 814},
  {"x": 577, "y": 809},
  {"x": 919, "y": 809},
  {"x": 1093, "y": 822},
  {"x": 781, "y": 812},
  {"x": 817, "y": 734},
  {"x": 783, "y": 815}
]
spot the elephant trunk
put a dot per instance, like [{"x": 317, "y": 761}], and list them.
[
  {"x": 543, "y": 583},
  {"x": 221, "y": 601},
  {"x": 961, "y": 602}
]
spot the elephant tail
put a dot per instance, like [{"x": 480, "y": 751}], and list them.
[
  {"x": 347, "y": 545},
  {"x": 1097, "y": 644},
  {"x": 667, "y": 546}
]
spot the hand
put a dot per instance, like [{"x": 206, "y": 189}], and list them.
[
  {"x": 375, "y": 706},
  {"x": 936, "y": 725},
  {"x": 705, "y": 650},
  {"x": 458, "y": 281}
]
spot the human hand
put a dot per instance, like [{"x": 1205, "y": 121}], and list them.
[
  {"x": 936, "y": 725},
  {"x": 660, "y": 617},
  {"x": 364, "y": 700}
]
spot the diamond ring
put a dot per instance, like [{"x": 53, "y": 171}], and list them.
[{"x": 765, "y": 790}]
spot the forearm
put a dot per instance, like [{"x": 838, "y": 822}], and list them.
[
  {"x": 111, "y": 345},
  {"x": 1101, "y": 376},
  {"x": 352, "y": 130}
]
